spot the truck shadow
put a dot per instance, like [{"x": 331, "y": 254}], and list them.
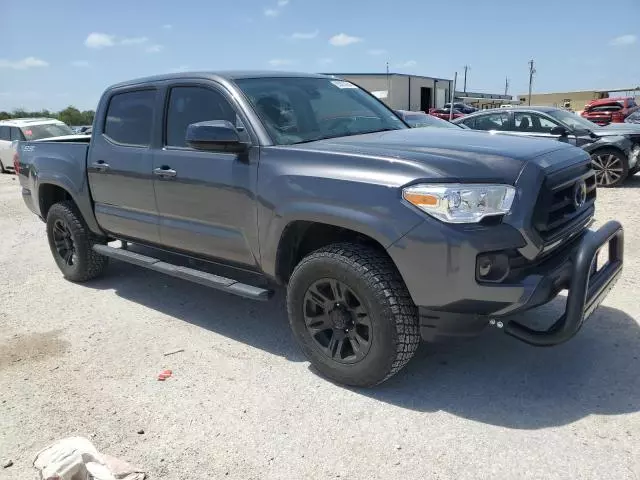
[
  {"x": 263, "y": 325},
  {"x": 497, "y": 380},
  {"x": 492, "y": 379}
]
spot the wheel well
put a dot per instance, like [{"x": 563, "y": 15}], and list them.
[
  {"x": 300, "y": 238},
  {"x": 49, "y": 195},
  {"x": 609, "y": 147}
]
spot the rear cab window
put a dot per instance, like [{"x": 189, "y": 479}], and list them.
[{"x": 130, "y": 116}]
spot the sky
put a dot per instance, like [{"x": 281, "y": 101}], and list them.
[{"x": 57, "y": 54}]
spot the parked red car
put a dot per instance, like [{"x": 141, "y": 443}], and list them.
[
  {"x": 609, "y": 110},
  {"x": 444, "y": 113}
]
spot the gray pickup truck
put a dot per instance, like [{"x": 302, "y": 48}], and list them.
[{"x": 382, "y": 234}]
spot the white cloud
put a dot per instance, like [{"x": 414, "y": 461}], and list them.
[
  {"x": 181, "y": 68},
  {"x": 303, "y": 35},
  {"x": 134, "y": 41},
  {"x": 280, "y": 62},
  {"x": 80, "y": 63},
  {"x": 342, "y": 40},
  {"x": 283, "y": 3},
  {"x": 167, "y": 26},
  {"x": 154, "y": 48},
  {"x": 271, "y": 12},
  {"x": 99, "y": 40},
  {"x": 377, "y": 51},
  {"x": 325, "y": 61},
  {"x": 25, "y": 63},
  {"x": 407, "y": 64},
  {"x": 623, "y": 40}
]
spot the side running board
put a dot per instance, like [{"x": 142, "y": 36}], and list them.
[{"x": 203, "y": 278}]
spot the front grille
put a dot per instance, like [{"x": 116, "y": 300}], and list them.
[{"x": 558, "y": 211}]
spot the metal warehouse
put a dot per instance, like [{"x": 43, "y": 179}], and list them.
[{"x": 402, "y": 91}]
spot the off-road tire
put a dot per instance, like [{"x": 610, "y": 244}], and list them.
[
  {"x": 374, "y": 278},
  {"x": 87, "y": 263}
]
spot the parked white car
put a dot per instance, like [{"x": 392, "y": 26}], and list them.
[{"x": 14, "y": 130}]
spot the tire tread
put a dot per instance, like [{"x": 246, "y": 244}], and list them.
[
  {"x": 384, "y": 281},
  {"x": 95, "y": 264}
]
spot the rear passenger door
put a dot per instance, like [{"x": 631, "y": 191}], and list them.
[
  {"x": 120, "y": 166},
  {"x": 206, "y": 203}
]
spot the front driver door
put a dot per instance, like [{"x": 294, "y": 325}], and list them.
[{"x": 206, "y": 202}]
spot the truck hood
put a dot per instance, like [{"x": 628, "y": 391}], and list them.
[{"x": 448, "y": 154}]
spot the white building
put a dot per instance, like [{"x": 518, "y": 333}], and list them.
[{"x": 401, "y": 91}]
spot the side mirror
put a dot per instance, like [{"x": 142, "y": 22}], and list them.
[
  {"x": 560, "y": 131},
  {"x": 214, "y": 136}
]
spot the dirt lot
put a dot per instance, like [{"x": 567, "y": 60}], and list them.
[{"x": 83, "y": 360}]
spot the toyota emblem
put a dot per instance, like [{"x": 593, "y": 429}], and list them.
[{"x": 579, "y": 194}]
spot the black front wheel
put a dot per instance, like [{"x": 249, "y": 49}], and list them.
[
  {"x": 71, "y": 244},
  {"x": 611, "y": 167},
  {"x": 352, "y": 315}
]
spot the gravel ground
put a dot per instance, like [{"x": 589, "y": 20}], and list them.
[{"x": 243, "y": 403}]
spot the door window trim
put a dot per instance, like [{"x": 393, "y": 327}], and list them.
[
  {"x": 207, "y": 85},
  {"x": 115, "y": 93}
]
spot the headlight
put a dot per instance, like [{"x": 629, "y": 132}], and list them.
[{"x": 458, "y": 203}]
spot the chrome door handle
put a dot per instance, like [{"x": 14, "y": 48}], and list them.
[
  {"x": 165, "y": 172},
  {"x": 101, "y": 165}
]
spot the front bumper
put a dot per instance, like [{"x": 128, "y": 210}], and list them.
[
  {"x": 438, "y": 267},
  {"x": 588, "y": 286}
]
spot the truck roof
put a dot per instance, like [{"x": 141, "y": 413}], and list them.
[{"x": 229, "y": 75}]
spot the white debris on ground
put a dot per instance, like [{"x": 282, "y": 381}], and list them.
[{"x": 75, "y": 458}]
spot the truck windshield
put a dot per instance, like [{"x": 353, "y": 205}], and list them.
[
  {"x": 38, "y": 132},
  {"x": 299, "y": 109}
]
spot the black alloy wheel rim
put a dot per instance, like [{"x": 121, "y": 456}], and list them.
[
  {"x": 608, "y": 168},
  {"x": 63, "y": 242},
  {"x": 337, "y": 321}
]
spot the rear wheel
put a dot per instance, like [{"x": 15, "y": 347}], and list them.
[
  {"x": 611, "y": 167},
  {"x": 72, "y": 243},
  {"x": 352, "y": 315}
]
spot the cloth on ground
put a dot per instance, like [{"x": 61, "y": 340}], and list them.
[{"x": 75, "y": 458}]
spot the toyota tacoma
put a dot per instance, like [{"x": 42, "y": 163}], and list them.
[{"x": 382, "y": 234}]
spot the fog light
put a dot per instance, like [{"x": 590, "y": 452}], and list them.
[
  {"x": 492, "y": 267},
  {"x": 484, "y": 267}
]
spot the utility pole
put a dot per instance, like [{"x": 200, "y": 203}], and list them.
[
  {"x": 532, "y": 70},
  {"x": 388, "y": 85},
  {"x": 506, "y": 86},
  {"x": 453, "y": 97},
  {"x": 466, "y": 67}
]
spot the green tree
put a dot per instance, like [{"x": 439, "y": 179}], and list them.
[{"x": 71, "y": 116}]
